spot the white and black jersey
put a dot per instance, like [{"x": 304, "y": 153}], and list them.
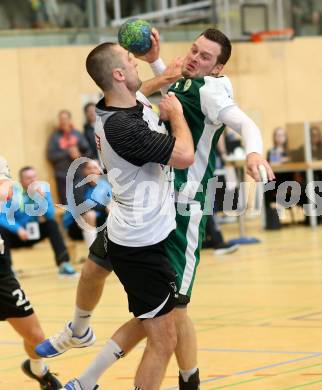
[{"x": 135, "y": 150}]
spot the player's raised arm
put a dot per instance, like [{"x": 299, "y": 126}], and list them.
[
  {"x": 218, "y": 104},
  {"x": 161, "y": 82},
  {"x": 237, "y": 120}
]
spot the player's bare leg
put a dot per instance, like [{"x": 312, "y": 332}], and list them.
[
  {"x": 89, "y": 291},
  {"x": 161, "y": 342},
  {"x": 30, "y": 330},
  {"x": 122, "y": 341},
  {"x": 78, "y": 334},
  {"x": 129, "y": 335},
  {"x": 186, "y": 350},
  {"x": 90, "y": 286}
]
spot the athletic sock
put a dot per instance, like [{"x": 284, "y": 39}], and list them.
[
  {"x": 38, "y": 367},
  {"x": 89, "y": 236},
  {"x": 110, "y": 353},
  {"x": 81, "y": 321},
  {"x": 186, "y": 374}
]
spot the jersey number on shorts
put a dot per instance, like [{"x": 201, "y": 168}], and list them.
[{"x": 21, "y": 298}]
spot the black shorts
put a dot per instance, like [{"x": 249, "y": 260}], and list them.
[
  {"x": 13, "y": 301},
  {"x": 147, "y": 278},
  {"x": 98, "y": 251}
]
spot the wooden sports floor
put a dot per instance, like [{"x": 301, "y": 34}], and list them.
[{"x": 258, "y": 315}]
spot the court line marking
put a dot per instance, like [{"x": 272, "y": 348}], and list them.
[
  {"x": 308, "y": 317},
  {"x": 252, "y": 370},
  {"x": 258, "y": 351},
  {"x": 236, "y": 384},
  {"x": 257, "y": 379},
  {"x": 303, "y": 385}
]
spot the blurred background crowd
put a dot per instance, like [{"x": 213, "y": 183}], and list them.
[{"x": 304, "y": 16}]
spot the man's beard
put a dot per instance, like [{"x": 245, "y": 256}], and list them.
[
  {"x": 185, "y": 73},
  {"x": 188, "y": 74},
  {"x": 134, "y": 86}
]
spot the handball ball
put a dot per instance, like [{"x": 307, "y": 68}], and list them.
[{"x": 135, "y": 36}]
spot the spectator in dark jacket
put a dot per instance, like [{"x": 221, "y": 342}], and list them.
[
  {"x": 29, "y": 217},
  {"x": 89, "y": 128},
  {"x": 65, "y": 145}
]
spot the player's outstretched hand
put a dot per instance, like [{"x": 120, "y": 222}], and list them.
[
  {"x": 173, "y": 71},
  {"x": 254, "y": 162},
  {"x": 169, "y": 106},
  {"x": 154, "y": 53}
]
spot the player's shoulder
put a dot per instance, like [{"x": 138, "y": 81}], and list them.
[
  {"x": 221, "y": 80},
  {"x": 218, "y": 86}
]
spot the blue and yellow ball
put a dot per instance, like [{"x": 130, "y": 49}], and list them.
[{"x": 135, "y": 36}]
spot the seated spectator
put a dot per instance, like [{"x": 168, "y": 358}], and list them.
[
  {"x": 21, "y": 225},
  {"x": 97, "y": 190},
  {"x": 89, "y": 128},
  {"x": 278, "y": 153},
  {"x": 65, "y": 145},
  {"x": 316, "y": 147},
  {"x": 306, "y": 12}
]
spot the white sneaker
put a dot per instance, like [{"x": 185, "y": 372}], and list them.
[
  {"x": 75, "y": 385},
  {"x": 225, "y": 248},
  {"x": 63, "y": 341}
]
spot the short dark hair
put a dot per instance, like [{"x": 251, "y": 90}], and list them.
[
  {"x": 87, "y": 105},
  {"x": 99, "y": 64},
  {"x": 24, "y": 169},
  {"x": 217, "y": 36}
]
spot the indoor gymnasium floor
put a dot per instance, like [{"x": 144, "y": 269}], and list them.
[{"x": 258, "y": 315}]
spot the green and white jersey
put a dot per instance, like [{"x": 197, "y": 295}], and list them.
[{"x": 202, "y": 99}]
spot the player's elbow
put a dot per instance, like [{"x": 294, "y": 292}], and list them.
[
  {"x": 184, "y": 161},
  {"x": 189, "y": 159}
]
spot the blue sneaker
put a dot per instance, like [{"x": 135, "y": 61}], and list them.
[
  {"x": 63, "y": 341},
  {"x": 66, "y": 269},
  {"x": 75, "y": 385}
]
